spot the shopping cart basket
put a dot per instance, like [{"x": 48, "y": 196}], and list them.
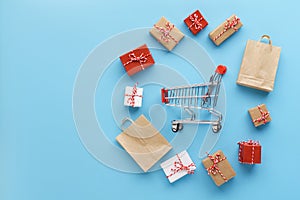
[{"x": 198, "y": 96}]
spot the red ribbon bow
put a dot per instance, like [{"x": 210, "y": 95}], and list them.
[
  {"x": 179, "y": 166},
  {"x": 140, "y": 59},
  {"x": 131, "y": 99},
  {"x": 165, "y": 32},
  {"x": 214, "y": 169},
  {"x": 196, "y": 22},
  {"x": 250, "y": 142},
  {"x": 229, "y": 24},
  {"x": 264, "y": 116}
]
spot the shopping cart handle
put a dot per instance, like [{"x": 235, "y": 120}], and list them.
[
  {"x": 221, "y": 69},
  {"x": 164, "y": 94}
]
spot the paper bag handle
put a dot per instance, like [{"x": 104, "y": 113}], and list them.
[
  {"x": 266, "y": 37},
  {"x": 138, "y": 130},
  {"x": 124, "y": 121}
]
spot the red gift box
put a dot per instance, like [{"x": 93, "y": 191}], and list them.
[
  {"x": 196, "y": 22},
  {"x": 137, "y": 60},
  {"x": 249, "y": 152}
]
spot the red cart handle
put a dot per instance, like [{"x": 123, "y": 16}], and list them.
[
  {"x": 221, "y": 69},
  {"x": 164, "y": 94}
]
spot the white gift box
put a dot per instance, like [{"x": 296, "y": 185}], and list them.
[
  {"x": 178, "y": 166},
  {"x": 133, "y": 96}
]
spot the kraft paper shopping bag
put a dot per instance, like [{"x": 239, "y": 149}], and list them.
[
  {"x": 259, "y": 65},
  {"x": 143, "y": 142}
]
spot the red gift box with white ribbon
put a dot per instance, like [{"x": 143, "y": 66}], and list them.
[
  {"x": 137, "y": 60},
  {"x": 195, "y": 22},
  {"x": 249, "y": 152}
]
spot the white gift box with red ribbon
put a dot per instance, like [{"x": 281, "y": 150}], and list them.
[
  {"x": 133, "y": 96},
  {"x": 178, "y": 166}
]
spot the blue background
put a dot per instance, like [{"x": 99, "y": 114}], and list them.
[{"x": 42, "y": 45}]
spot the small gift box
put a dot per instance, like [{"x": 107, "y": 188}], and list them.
[
  {"x": 137, "y": 60},
  {"x": 143, "y": 142},
  {"x": 166, "y": 33},
  {"x": 225, "y": 30},
  {"x": 178, "y": 166},
  {"x": 133, "y": 96},
  {"x": 259, "y": 115},
  {"x": 195, "y": 22},
  {"x": 218, "y": 168},
  {"x": 249, "y": 152}
]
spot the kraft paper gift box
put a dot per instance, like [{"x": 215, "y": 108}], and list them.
[
  {"x": 260, "y": 115},
  {"x": 195, "y": 22},
  {"x": 259, "y": 65},
  {"x": 178, "y": 166},
  {"x": 144, "y": 143},
  {"x": 133, "y": 96},
  {"x": 137, "y": 60},
  {"x": 166, "y": 33},
  {"x": 225, "y": 30},
  {"x": 249, "y": 152},
  {"x": 218, "y": 168}
]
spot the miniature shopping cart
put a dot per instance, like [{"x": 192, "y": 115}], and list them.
[{"x": 198, "y": 96}]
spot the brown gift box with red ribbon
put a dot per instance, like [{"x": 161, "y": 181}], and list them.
[
  {"x": 218, "y": 168},
  {"x": 249, "y": 152},
  {"x": 260, "y": 115},
  {"x": 137, "y": 60},
  {"x": 166, "y": 33},
  {"x": 225, "y": 30},
  {"x": 195, "y": 22}
]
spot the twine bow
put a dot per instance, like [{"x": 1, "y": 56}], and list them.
[
  {"x": 214, "y": 169},
  {"x": 264, "y": 116},
  {"x": 179, "y": 166},
  {"x": 196, "y": 22},
  {"x": 250, "y": 142},
  {"x": 165, "y": 32},
  {"x": 131, "y": 99},
  {"x": 228, "y": 25},
  {"x": 140, "y": 59}
]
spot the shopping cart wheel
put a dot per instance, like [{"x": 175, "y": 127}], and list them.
[
  {"x": 176, "y": 126},
  {"x": 216, "y": 128}
]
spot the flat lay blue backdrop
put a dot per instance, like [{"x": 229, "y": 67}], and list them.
[{"x": 43, "y": 44}]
